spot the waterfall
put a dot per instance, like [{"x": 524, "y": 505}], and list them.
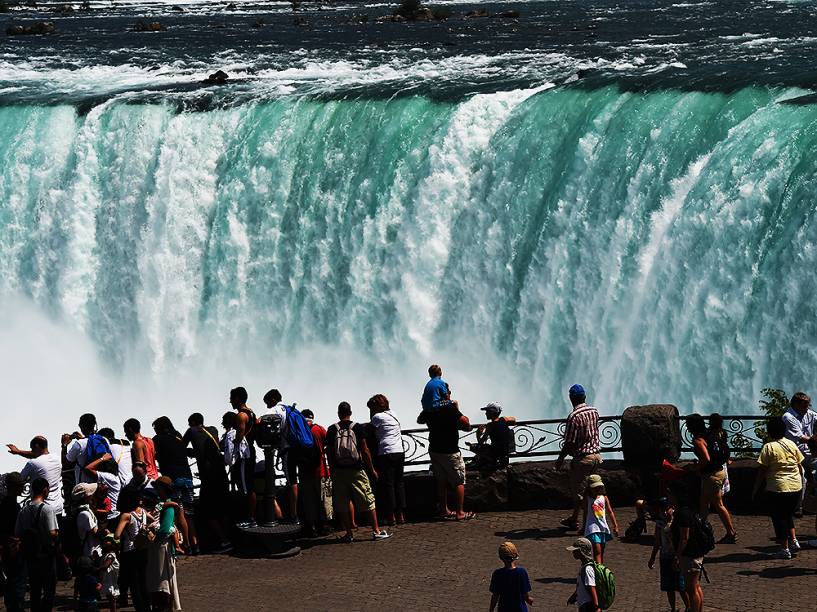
[{"x": 654, "y": 246}]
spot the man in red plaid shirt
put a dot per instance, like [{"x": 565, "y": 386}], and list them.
[{"x": 581, "y": 442}]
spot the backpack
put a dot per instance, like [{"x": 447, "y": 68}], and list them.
[
  {"x": 33, "y": 540},
  {"x": 701, "y": 537},
  {"x": 346, "y": 453},
  {"x": 605, "y": 585},
  {"x": 718, "y": 448},
  {"x": 96, "y": 447},
  {"x": 299, "y": 435}
]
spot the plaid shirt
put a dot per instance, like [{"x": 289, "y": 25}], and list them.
[{"x": 582, "y": 431}]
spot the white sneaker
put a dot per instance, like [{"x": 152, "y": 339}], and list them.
[
  {"x": 794, "y": 545},
  {"x": 380, "y": 535},
  {"x": 783, "y": 553}
]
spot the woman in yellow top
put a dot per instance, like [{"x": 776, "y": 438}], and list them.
[{"x": 780, "y": 466}]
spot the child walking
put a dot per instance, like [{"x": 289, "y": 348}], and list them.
[
  {"x": 597, "y": 511},
  {"x": 109, "y": 570},
  {"x": 510, "y": 585},
  {"x": 585, "y": 596},
  {"x": 671, "y": 578}
]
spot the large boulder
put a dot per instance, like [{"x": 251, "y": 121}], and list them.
[
  {"x": 487, "y": 492},
  {"x": 650, "y": 434},
  {"x": 38, "y": 28}
]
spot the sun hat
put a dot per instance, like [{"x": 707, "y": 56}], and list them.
[
  {"x": 594, "y": 481},
  {"x": 492, "y": 407},
  {"x": 507, "y": 550},
  {"x": 583, "y": 545},
  {"x": 83, "y": 490}
]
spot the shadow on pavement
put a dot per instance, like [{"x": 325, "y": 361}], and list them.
[
  {"x": 534, "y": 534},
  {"x": 777, "y": 573},
  {"x": 555, "y": 580}
]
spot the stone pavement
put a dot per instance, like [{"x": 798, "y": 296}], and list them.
[{"x": 447, "y": 566}]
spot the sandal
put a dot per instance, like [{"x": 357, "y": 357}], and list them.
[
  {"x": 468, "y": 516},
  {"x": 451, "y": 516}
]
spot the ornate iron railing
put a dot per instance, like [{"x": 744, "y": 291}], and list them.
[{"x": 543, "y": 438}]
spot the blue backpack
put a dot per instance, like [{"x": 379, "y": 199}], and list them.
[
  {"x": 96, "y": 447},
  {"x": 299, "y": 435}
]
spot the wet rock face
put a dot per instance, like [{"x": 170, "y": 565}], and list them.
[{"x": 650, "y": 434}]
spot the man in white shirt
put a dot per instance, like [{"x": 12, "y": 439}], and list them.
[
  {"x": 73, "y": 447},
  {"x": 800, "y": 423},
  {"x": 42, "y": 464}
]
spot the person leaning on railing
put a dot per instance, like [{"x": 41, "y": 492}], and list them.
[{"x": 581, "y": 442}]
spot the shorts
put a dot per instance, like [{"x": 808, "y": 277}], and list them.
[
  {"x": 690, "y": 565},
  {"x": 295, "y": 462},
  {"x": 580, "y": 469},
  {"x": 671, "y": 578},
  {"x": 711, "y": 488},
  {"x": 599, "y": 537},
  {"x": 351, "y": 485},
  {"x": 450, "y": 468},
  {"x": 242, "y": 473},
  {"x": 184, "y": 491}
]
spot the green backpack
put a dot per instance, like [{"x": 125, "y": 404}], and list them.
[{"x": 605, "y": 585}]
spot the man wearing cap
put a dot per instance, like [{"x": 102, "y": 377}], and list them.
[
  {"x": 15, "y": 588},
  {"x": 316, "y": 487},
  {"x": 581, "y": 442},
  {"x": 42, "y": 464},
  {"x": 87, "y": 525},
  {"x": 586, "y": 597},
  {"x": 494, "y": 456}
]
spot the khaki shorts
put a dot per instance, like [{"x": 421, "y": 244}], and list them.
[
  {"x": 711, "y": 489},
  {"x": 351, "y": 485},
  {"x": 687, "y": 565},
  {"x": 450, "y": 468},
  {"x": 580, "y": 469}
]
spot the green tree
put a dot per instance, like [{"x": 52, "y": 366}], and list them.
[{"x": 774, "y": 403}]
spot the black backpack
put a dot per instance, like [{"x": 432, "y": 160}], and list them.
[
  {"x": 701, "y": 537},
  {"x": 718, "y": 447},
  {"x": 33, "y": 542}
]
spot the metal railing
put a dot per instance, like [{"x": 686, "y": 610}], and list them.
[{"x": 544, "y": 438}]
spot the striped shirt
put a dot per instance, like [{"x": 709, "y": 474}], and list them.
[{"x": 582, "y": 431}]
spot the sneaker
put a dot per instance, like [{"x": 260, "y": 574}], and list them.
[
  {"x": 347, "y": 538},
  {"x": 783, "y": 553},
  {"x": 223, "y": 548},
  {"x": 380, "y": 535},
  {"x": 794, "y": 545}
]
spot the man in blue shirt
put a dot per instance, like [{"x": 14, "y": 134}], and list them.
[{"x": 437, "y": 393}]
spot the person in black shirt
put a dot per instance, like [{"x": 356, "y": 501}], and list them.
[
  {"x": 171, "y": 457},
  {"x": 444, "y": 425},
  {"x": 688, "y": 559},
  {"x": 15, "y": 587},
  {"x": 493, "y": 456},
  {"x": 214, "y": 487}
]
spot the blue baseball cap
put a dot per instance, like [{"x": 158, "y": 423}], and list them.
[{"x": 577, "y": 391}]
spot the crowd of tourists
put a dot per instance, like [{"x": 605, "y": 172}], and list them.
[
  {"x": 679, "y": 499},
  {"x": 111, "y": 514}
]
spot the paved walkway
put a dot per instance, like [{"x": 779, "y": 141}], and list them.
[{"x": 447, "y": 566}]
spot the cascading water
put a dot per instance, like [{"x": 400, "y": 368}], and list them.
[{"x": 654, "y": 246}]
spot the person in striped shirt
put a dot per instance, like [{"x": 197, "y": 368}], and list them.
[{"x": 581, "y": 442}]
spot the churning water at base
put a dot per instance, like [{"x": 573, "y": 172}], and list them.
[{"x": 656, "y": 246}]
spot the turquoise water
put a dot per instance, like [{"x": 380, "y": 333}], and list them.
[{"x": 656, "y": 245}]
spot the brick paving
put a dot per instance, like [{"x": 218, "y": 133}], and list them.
[{"x": 447, "y": 566}]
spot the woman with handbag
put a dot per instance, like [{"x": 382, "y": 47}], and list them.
[{"x": 781, "y": 468}]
